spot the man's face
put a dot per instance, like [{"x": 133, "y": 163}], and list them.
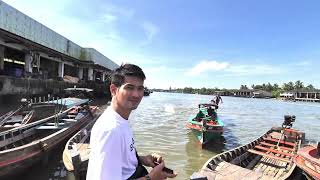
[{"x": 129, "y": 94}]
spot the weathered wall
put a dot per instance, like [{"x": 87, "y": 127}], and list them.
[
  {"x": 99, "y": 58},
  {"x": 28, "y": 86},
  {"x": 20, "y": 24},
  {"x": 15, "y": 22}
]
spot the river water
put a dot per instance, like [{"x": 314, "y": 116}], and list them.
[{"x": 159, "y": 125}]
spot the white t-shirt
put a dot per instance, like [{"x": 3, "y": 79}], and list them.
[{"x": 112, "y": 155}]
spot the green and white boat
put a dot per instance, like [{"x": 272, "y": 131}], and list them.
[{"x": 206, "y": 124}]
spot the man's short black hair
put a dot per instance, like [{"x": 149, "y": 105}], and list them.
[{"x": 118, "y": 75}]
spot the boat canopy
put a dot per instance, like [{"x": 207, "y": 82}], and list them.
[{"x": 70, "y": 102}]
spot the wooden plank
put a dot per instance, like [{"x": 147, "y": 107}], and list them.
[
  {"x": 274, "y": 145},
  {"x": 291, "y": 130},
  {"x": 279, "y": 174},
  {"x": 69, "y": 120},
  {"x": 281, "y": 141},
  {"x": 208, "y": 173},
  {"x": 240, "y": 158},
  {"x": 230, "y": 171},
  {"x": 260, "y": 164},
  {"x": 16, "y": 138},
  {"x": 253, "y": 162},
  {"x": 53, "y": 124},
  {"x": 268, "y": 155},
  {"x": 48, "y": 127},
  {"x": 273, "y": 150}
]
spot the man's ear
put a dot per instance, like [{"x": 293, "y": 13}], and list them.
[{"x": 113, "y": 89}]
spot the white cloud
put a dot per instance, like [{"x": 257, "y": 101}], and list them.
[
  {"x": 205, "y": 66},
  {"x": 150, "y": 31},
  {"x": 118, "y": 10},
  {"x": 108, "y": 18},
  {"x": 255, "y": 69}
]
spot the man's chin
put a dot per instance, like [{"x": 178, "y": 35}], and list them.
[{"x": 133, "y": 107}]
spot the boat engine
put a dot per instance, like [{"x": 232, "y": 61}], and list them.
[{"x": 288, "y": 120}]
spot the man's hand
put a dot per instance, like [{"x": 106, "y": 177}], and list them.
[
  {"x": 150, "y": 159},
  {"x": 157, "y": 173}
]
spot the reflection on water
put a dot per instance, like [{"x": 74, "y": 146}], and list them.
[{"x": 159, "y": 125}]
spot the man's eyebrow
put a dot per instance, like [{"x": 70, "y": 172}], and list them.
[
  {"x": 132, "y": 85},
  {"x": 128, "y": 84}
]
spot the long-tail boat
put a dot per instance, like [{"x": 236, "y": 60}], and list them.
[
  {"x": 268, "y": 157},
  {"x": 308, "y": 159},
  {"x": 23, "y": 146},
  {"x": 29, "y": 112},
  {"x": 206, "y": 125},
  {"x": 76, "y": 152}
]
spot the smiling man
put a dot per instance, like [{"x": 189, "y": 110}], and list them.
[{"x": 113, "y": 155}]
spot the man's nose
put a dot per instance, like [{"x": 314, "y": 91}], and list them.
[{"x": 136, "y": 93}]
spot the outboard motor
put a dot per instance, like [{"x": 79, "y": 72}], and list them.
[
  {"x": 24, "y": 102},
  {"x": 288, "y": 120}
]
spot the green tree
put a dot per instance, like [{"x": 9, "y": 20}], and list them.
[
  {"x": 243, "y": 87},
  {"x": 298, "y": 85},
  {"x": 269, "y": 87},
  {"x": 310, "y": 87},
  {"x": 288, "y": 86},
  {"x": 187, "y": 90}
]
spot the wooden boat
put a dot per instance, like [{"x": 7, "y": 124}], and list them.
[
  {"x": 308, "y": 160},
  {"x": 30, "y": 112},
  {"x": 268, "y": 157},
  {"x": 23, "y": 146},
  {"x": 146, "y": 92},
  {"x": 79, "y": 92},
  {"x": 76, "y": 152},
  {"x": 206, "y": 125}
]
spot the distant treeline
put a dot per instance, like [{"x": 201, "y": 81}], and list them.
[{"x": 275, "y": 89}]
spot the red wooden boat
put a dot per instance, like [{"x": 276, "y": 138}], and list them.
[
  {"x": 268, "y": 157},
  {"x": 308, "y": 160}
]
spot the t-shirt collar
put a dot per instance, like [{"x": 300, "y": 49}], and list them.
[{"x": 117, "y": 115}]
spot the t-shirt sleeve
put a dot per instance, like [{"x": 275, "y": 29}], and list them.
[{"x": 106, "y": 158}]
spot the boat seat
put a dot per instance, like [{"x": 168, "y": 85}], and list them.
[
  {"x": 268, "y": 155},
  {"x": 69, "y": 120},
  {"x": 281, "y": 141},
  {"x": 274, "y": 145},
  {"x": 53, "y": 124},
  {"x": 49, "y": 127},
  {"x": 273, "y": 150}
]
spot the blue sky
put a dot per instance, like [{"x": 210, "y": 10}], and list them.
[{"x": 196, "y": 44}]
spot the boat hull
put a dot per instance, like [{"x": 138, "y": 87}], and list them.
[
  {"x": 205, "y": 137},
  {"x": 308, "y": 160},
  {"x": 211, "y": 131},
  {"x": 18, "y": 159},
  {"x": 268, "y": 157},
  {"x": 76, "y": 152}
]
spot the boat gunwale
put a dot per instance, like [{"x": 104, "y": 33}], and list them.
[
  {"x": 64, "y": 132},
  {"x": 250, "y": 145},
  {"x": 75, "y": 152}
]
